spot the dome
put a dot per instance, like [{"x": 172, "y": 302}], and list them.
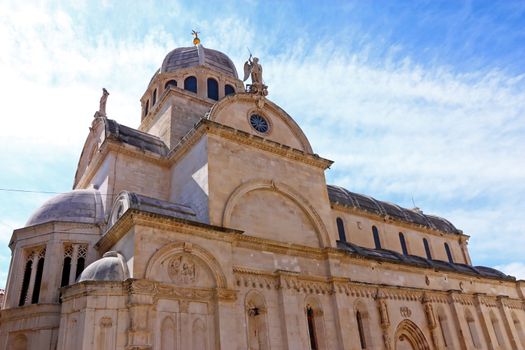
[
  {"x": 111, "y": 267},
  {"x": 184, "y": 57},
  {"x": 84, "y": 206}
]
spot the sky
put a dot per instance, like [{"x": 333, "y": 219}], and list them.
[{"x": 416, "y": 102}]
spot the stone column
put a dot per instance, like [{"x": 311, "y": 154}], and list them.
[
  {"x": 185, "y": 324},
  {"x": 14, "y": 279},
  {"x": 506, "y": 319},
  {"x": 478, "y": 302},
  {"x": 139, "y": 303},
  {"x": 73, "y": 270},
  {"x": 431, "y": 322},
  {"x": 52, "y": 272},
  {"x": 457, "y": 317},
  {"x": 34, "y": 266},
  {"x": 384, "y": 318},
  {"x": 293, "y": 316},
  {"x": 341, "y": 316},
  {"x": 227, "y": 319}
]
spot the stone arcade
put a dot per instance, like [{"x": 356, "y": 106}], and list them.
[{"x": 211, "y": 226}]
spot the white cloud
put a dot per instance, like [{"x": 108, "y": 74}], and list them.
[{"x": 395, "y": 129}]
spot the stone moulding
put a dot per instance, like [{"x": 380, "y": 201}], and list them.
[
  {"x": 285, "y": 117},
  {"x": 280, "y": 188},
  {"x": 194, "y": 250}
]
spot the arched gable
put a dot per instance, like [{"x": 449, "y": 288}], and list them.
[
  {"x": 240, "y": 193},
  {"x": 235, "y": 110},
  {"x": 185, "y": 264}
]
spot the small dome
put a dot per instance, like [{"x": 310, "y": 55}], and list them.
[
  {"x": 84, "y": 206},
  {"x": 184, "y": 57},
  {"x": 111, "y": 267}
]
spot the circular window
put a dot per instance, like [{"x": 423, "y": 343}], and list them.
[{"x": 259, "y": 123}]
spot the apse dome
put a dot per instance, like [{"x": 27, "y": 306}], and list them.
[
  {"x": 111, "y": 267},
  {"x": 82, "y": 206},
  {"x": 185, "y": 57}
]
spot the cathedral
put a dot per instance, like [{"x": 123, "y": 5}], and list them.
[{"x": 211, "y": 226}]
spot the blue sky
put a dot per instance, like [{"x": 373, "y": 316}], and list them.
[{"x": 412, "y": 100}]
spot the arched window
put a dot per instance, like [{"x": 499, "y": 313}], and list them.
[
  {"x": 403, "y": 243},
  {"x": 190, "y": 84},
  {"x": 154, "y": 97},
  {"x": 449, "y": 254},
  {"x": 228, "y": 90},
  {"x": 377, "y": 241},
  {"x": 38, "y": 280},
  {"x": 146, "y": 108},
  {"x": 311, "y": 328},
  {"x": 427, "y": 249},
  {"x": 66, "y": 270},
  {"x": 361, "y": 329},
  {"x": 170, "y": 83},
  {"x": 472, "y": 329},
  {"x": 213, "y": 89},
  {"x": 341, "y": 229},
  {"x": 81, "y": 262},
  {"x": 25, "y": 282}
]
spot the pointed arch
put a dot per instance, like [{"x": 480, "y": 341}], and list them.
[{"x": 410, "y": 332}]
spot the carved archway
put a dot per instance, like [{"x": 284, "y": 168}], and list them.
[
  {"x": 182, "y": 247},
  {"x": 282, "y": 189},
  {"x": 408, "y": 332}
]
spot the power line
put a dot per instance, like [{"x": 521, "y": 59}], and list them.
[{"x": 48, "y": 192}]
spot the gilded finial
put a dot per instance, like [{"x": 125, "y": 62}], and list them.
[{"x": 196, "y": 40}]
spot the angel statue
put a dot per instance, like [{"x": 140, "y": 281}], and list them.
[{"x": 254, "y": 69}]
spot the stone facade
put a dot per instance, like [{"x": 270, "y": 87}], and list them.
[{"x": 211, "y": 226}]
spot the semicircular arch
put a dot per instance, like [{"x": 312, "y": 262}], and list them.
[
  {"x": 282, "y": 189},
  {"x": 182, "y": 247},
  {"x": 263, "y": 105}
]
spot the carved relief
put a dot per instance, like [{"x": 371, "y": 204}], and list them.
[
  {"x": 405, "y": 311},
  {"x": 106, "y": 322},
  {"x": 182, "y": 269}
]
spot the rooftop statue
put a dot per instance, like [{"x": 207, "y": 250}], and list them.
[
  {"x": 102, "y": 107},
  {"x": 196, "y": 40},
  {"x": 254, "y": 69}
]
